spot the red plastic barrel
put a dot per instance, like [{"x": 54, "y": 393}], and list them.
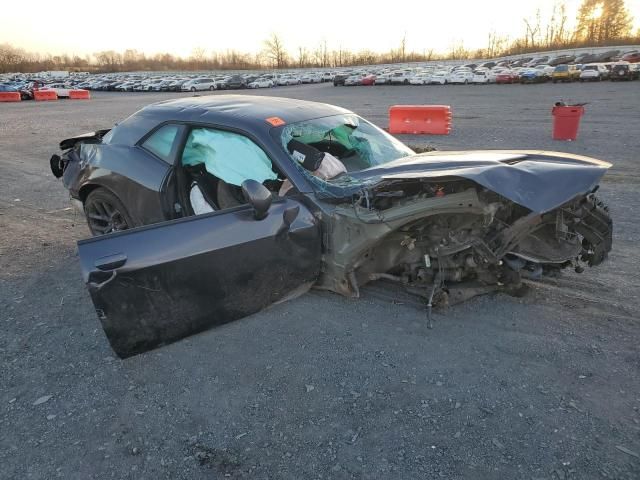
[
  {"x": 566, "y": 122},
  {"x": 420, "y": 119}
]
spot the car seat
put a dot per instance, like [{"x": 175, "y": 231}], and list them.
[{"x": 206, "y": 182}]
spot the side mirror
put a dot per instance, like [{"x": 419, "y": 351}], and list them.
[{"x": 258, "y": 197}]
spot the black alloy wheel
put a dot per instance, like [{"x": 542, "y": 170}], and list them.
[{"x": 105, "y": 213}]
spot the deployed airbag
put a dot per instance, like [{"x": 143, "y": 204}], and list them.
[{"x": 230, "y": 157}]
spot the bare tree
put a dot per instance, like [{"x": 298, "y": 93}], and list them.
[
  {"x": 275, "y": 51},
  {"x": 458, "y": 51},
  {"x": 109, "y": 60},
  {"x": 321, "y": 55},
  {"x": 403, "y": 48},
  {"x": 198, "y": 56},
  {"x": 303, "y": 57},
  {"x": 532, "y": 30}
]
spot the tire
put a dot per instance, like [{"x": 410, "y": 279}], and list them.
[
  {"x": 211, "y": 89},
  {"x": 406, "y": 82},
  {"x": 193, "y": 89},
  {"x": 105, "y": 213}
]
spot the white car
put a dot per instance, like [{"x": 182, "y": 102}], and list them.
[
  {"x": 61, "y": 90},
  {"x": 546, "y": 69},
  {"x": 460, "y": 76},
  {"x": 593, "y": 72},
  {"x": 438, "y": 78},
  {"x": 311, "y": 78},
  {"x": 327, "y": 77},
  {"x": 262, "y": 83},
  {"x": 289, "y": 80},
  {"x": 483, "y": 76},
  {"x": 354, "y": 80},
  {"x": 420, "y": 79},
  {"x": 399, "y": 77},
  {"x": 383, "y": 79},
  {"x": 199, "y": 85}
]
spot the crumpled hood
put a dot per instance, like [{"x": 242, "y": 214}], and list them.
[{"x": 538, "y": 180}]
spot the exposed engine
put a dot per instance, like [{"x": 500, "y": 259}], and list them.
[{"x": 431, "y": 237}]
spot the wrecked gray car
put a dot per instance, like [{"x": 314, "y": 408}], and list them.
[{"x": 205, "y": 210}]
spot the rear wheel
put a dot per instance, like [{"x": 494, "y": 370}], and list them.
[{"x": 106, "y": 213}]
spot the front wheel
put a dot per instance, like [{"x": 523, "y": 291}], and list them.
[
  {"x": 193, "y": 89},
  {"x": 106, "y": 213},
  {"x": 211, "y": 88}
]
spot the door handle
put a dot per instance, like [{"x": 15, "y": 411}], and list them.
[{"x": 111, "y": 262}]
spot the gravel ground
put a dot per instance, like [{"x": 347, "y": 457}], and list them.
[{"x": 541, "y": 387}]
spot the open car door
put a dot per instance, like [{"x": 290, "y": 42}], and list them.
[{"x": 156, "y": 284}]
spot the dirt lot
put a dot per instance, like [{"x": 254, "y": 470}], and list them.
[{"x": 542, "y": 387}]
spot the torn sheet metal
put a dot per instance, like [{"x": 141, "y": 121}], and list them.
[{"x": 535, "y": 180}]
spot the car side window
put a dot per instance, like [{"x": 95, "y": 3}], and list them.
[
  {"x": 161, "y": 141},
  {"x": 229, "y": 156}
]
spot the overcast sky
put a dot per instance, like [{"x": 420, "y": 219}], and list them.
[{"x": 179, "y": 27}]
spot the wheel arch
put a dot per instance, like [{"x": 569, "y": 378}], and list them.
[{"x": 87, "y": 188}]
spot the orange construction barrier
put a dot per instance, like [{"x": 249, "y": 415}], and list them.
[
  {"x": 44, "y": 95},
  {"x": 79, "y": 95},
  {"x": 566, "y": 121},
  {"x": 10, "y": 97},
  {"x": 420, "y": 119}
]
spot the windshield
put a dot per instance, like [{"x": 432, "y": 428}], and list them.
[
  {"x": 352, "y": 142},
  {"x": 355, "y": 142}
]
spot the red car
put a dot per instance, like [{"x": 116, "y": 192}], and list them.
[
  {"x": 507, "y": 76},
  {"x": 368, "y": 80},
  {"x": 631, "y": 57}
]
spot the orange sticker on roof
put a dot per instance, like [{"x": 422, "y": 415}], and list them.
[{"x": 275, "y": 121}]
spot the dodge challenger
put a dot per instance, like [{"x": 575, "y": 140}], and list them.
[{"x": 207, "y": 209}]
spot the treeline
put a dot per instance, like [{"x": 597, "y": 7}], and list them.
[{"x": 599, "y": 22}]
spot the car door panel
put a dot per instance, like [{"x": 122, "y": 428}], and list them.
[{"x": 157, "y": 284}]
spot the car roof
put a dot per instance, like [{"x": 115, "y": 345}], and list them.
[{"x": 245, "y": 112}]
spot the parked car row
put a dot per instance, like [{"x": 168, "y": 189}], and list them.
[
  {"x": 473, "y": 74},
  {"x": 611, "y": 65},
  {"x": 26, "y": 88},
  {"x": 136, "y": 82}
]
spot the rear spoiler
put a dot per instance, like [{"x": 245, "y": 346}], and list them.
[{"x": 90, "y": 137}]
